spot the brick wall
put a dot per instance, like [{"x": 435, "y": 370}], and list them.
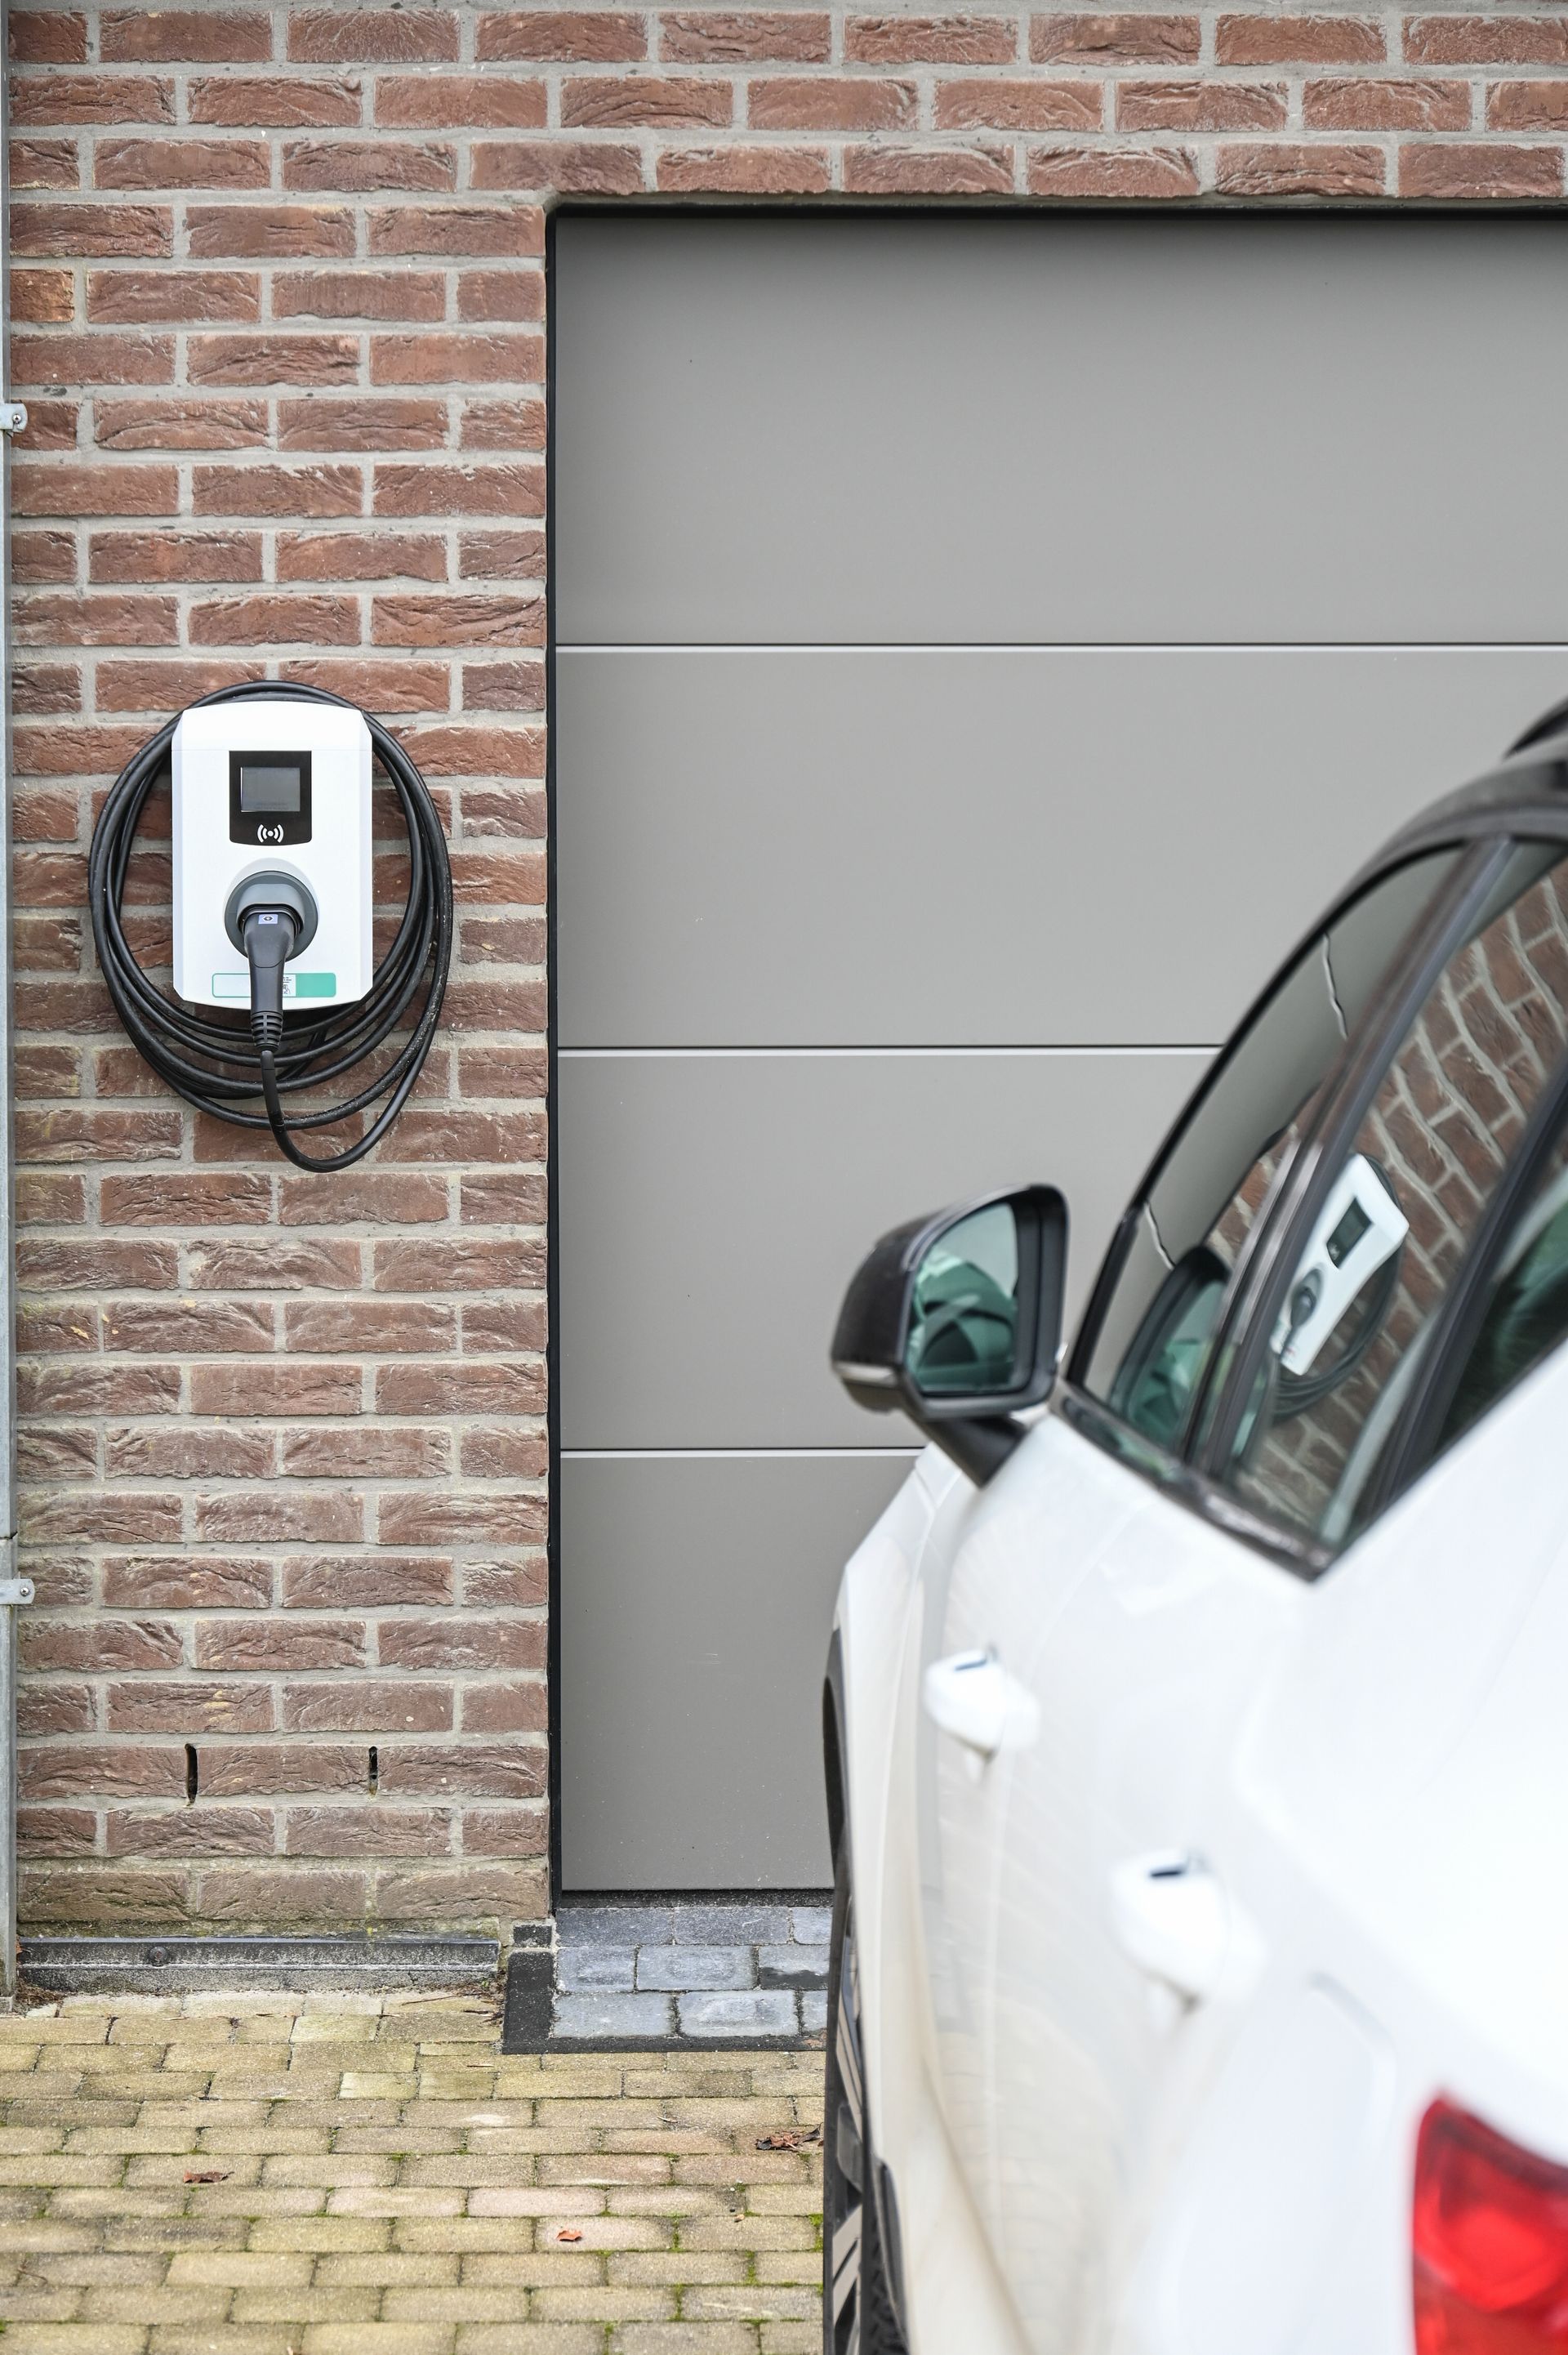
[{"x": 278, "y": 306}]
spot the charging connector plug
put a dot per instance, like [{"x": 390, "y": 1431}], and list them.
[{"x": 268, "y": 935}]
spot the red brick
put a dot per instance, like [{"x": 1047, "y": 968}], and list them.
[
  {"x": 88, "y": 1133},
  {"x": 270, "y": 232},
  {"x": 186, "y": 37},
  {"x": 503, "y": 423},
  {"x": 114, "y": 618},
  {"x": 501, "y": 555},
  {"x": 1127, "y": 172},
  {"x": 44, "y": 164},
  {"x": 43, "y": 298},
  {"x": 1200, "y": 106},
  {"x": 470, "y": 1387},
  {"x": 461, "y": 1641},
  {"x": 481, "y": 1893},
  {"x": 931, "y": 41},
  {"x": 246, "y": 1898},
  {"x": 105, "y": 1517},
  {"x": 464, "y": 232},
  {"x": 572, "y": 167},
  {"x": 607, "y": 36},
  {"x": 493, "y": 1770},
  {"x": 275, "y": 1262},
  {"x": 377, "y": 1197},
  {"x": 275, "y": 619},
  {"x": 482, "y": 101},
  {"x": 471, "y": 618},
  {"x": 181, "y": 163},
  {"x": 745, "y": 171},
  {"x": 1027, "y": 103},
  {"x": 368, "y": 1830},
  {"x": 1270, "y": 40},
  {"x": 283, "y": 1386},
  {"x": 354, "y": 556},
  {"x": 819, "y": 103},
  {"x": 247, "y": 1769},
  {"x": 269, "y": 1646},
  {"x": 1121, "y": 39},
  {"x": 95, "y": 1385},
  {"x": 358, "y": 294},
  {"x": 68, "y": 360},
  {"x": 367, "y": 1454},
  {"x": 87, "y": 1264},
  {"x": 1354, "y": 102},
  {"x": 101, "y": 1646},
  {"x": 1292, "y": 170},
  {"x": 45, "y": 686},
  {"x": 47, "y": 37},
  {"x": 273, "y": 1516},
  {"x": 165, "y": 424},
  {"x": 370, "y": 166},
  {"x": 105, "y": 1770},
  {"x": 294, "y": 491},
  {"x": 1486, "y": 40},
  {"x": 450, "y": 357},
  {"x": 359, "y": 1705},
  {"x": 503, "y": 1831},
  {"x": 1451, "y": 172},
  {"x": 43, "y": 1710},
  {"x": 937, "y": 171},
  {"x": 368, "y": 1581},
  {"x": 286, "y": 105},
  {"x": 90, "y": 230},
  {"x": 175, "y": 556},
  {"x": 1523, "y": 106},
  {"x": 186, "y": 1582},
  {"x": 152, "y": 686},
  {"x": 516, "y": 489},
  {"x": 521, "y": 1707},
  {"x": 376, "y": 1327},
  {"x": 361, "y": 422},
  {"x": 503, "y": 686},
  {"x": 43, "y": 99},
  {"x": 508, "y": 1451},
  {"x": 216, "y": 1831},
  {"x": 43, "y": 557},
  {"x": 373, "y": 37},
  {"x": 745, "y": 36},
  {"x": 629, "y": 101},
  {"x": 118, "y": 298},
  {"x": 387, "y": 687},
  {"x": 273, "y": 358},
  {"x": 499, "y": 294}
]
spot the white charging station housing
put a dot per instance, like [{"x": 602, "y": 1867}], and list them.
[{"x": 274, "y": 787}]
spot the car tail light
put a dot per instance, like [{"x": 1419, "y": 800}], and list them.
[{"x": 1490, "y": 2241}]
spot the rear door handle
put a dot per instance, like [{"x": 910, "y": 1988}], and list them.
[
  {"x": 1170, "y": 1917},
  {"x": 971, "y": 1697}
]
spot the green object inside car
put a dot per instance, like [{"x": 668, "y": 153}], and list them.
[{"x": 1526, "y": 1317}]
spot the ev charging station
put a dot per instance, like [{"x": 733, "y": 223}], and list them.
[{"x": 272, "y": 808}]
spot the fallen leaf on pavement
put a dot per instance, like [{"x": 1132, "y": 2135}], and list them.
[
  {"x": 794, "y": 2140},
  {"x": 569, "y": 2232},
  {"x": 208, "y": 2175}
]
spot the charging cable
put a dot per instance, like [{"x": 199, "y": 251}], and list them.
[{"x": 220, "y": 1067}]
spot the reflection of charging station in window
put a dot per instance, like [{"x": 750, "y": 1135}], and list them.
[
  {"x": 269, "y": 798},
  {"x": 272, "y": 916}
]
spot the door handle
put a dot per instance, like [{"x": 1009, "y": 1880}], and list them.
[
  {"x": 1170, "y": 1917},
  {"x": 970, "y": 1696}
]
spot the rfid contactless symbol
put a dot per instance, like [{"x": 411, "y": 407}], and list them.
[{"x": 264, "y": 768}]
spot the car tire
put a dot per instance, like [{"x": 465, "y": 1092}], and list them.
[{"x": 858, "y": 2317}]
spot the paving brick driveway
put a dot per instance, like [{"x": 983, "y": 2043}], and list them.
[{"x": 381, "y": 2179}]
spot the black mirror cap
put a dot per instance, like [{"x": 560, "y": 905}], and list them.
[{"x": 873, "y": 1331}]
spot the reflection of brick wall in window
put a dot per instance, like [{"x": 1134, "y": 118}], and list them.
[{"x": 1448, "y": 1113}]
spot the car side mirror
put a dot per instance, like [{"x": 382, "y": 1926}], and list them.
[{"x": 957, "y": 1318}]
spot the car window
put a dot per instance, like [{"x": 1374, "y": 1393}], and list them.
[
  {"x": 1392, "y": 1227},
  {"x": 1154, "y": 1320}
]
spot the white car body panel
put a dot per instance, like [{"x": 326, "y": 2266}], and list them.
[{"x": 1374, "y": 1767}]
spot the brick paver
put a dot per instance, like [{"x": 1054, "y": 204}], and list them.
[{"x": 342, "y": 2174}]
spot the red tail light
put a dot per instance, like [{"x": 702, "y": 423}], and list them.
[{"x": 1490, "y": 2241}]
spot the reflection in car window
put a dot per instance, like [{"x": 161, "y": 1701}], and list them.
[
  {"x": 1151, "y": 1345},
  {"x": 1394, "y": 1225}
]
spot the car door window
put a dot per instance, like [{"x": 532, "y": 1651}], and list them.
[
  {"x": 1392, "y": 1228},
  {"x": 1148, "y": 1335}
]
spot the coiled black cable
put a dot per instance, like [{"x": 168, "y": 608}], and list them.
[{"x": 217, "y": 1065}]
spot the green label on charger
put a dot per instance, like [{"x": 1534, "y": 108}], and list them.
[{"x": 295, "y": 985}]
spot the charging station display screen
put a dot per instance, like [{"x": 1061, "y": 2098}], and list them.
[{"x": 269, "y": 797}]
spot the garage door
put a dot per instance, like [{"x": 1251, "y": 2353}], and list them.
[{"x": 982, "y": 643}]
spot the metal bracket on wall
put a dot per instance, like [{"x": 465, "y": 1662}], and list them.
[
  {"x": 13, "y": 416},
  {"x": 12, "y": 1588}
]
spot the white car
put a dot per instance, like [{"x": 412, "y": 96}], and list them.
[{"x": 1197, "y": 1717}]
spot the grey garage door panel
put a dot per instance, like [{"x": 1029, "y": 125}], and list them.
[
  {"x": 1059, "y": 428},
  {"x": 870, "y": 847},
  {"x": 714, "y": 1207},
  {"x": 695, "y": 1630}
]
